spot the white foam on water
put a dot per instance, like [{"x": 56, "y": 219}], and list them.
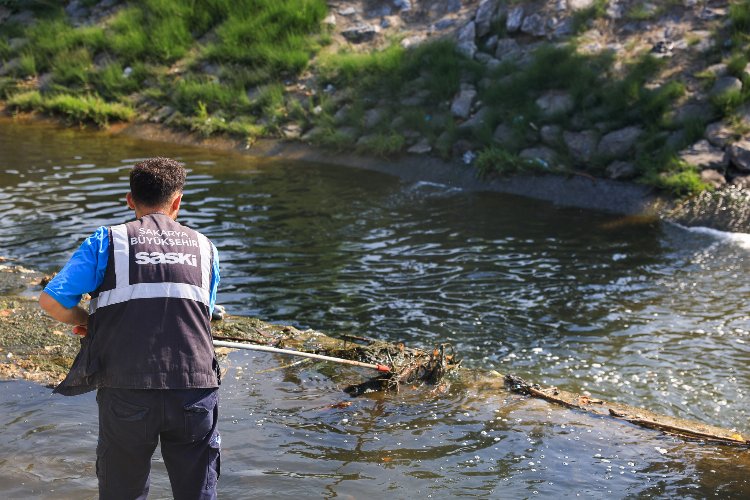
[
  {"x": 742, "y": 240},
  {"x": 424, "y": 184}
]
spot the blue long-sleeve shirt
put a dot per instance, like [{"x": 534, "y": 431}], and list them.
[{"x": 84, "y": 272}]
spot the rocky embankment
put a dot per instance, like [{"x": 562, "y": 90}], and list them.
[
  {"x": 655, "y": 93},
  {"x": 704, "y": 130}
]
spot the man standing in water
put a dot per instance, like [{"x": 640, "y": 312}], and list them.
[{"x": 146, "y": 340}]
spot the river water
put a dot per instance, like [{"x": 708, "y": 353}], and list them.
[{"x": 632, "y": 310}]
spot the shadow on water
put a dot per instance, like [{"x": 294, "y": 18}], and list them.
[{"x": 629, "y": 309}]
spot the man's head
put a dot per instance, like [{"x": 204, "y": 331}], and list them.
[{"x": 156, "y": 186}]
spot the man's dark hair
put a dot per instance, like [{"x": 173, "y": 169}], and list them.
[{"x": 154, "y": 181}]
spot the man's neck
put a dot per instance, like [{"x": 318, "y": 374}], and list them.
[{"x": 157, "y": 211}]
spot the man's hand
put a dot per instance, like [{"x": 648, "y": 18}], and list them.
[{"x": 80, "y": 330}]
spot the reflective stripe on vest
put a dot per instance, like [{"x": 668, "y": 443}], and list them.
[{"x": 124, "y": 291}]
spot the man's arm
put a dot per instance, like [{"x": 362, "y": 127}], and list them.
[
  {"x": 214, "y": 280},
  {"x": 75, "y": 315},
  {"x": 83, "y": 273}
]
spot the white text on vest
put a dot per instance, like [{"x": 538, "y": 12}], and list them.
[{"x": 166, "y": 258}]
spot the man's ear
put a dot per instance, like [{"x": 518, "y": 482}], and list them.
[
  {"x": 176, "y": 202},
  {"x": 129, "y": 199}
]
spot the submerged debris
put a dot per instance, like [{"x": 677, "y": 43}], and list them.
[{"x": 407, "y": 365}]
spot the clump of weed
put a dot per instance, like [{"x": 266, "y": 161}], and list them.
[
  {"x": 78, "y": 109},
  {"x": 91, "y": 109},
  {"x": 382, "y": 144},
  {"x": 739, "y": 14},
  {"x": 674, "y": 176},
  {"x": 25, "y": 101},
  {"x": 215, "y": 96},
  {"x": 495, "y": 160}
]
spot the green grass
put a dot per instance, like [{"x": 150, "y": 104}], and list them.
[
  {"x": 72, "y": 68},
  {"x": 384, "y": 73},
  {"x": 84, "y": 109},
  {"x": 495, "y": 160},
  {"x": 582, "y": 18},
  {"x": 739, "y": 14},
  {"x": 270, "y": 38},
  {"x": 26, "y": 101},
  {"x": 51, "y": 38},
  {"x": 111, "y": 82},
  {"x": 728, "y": 101},
  {"x": 77, "y": 109},
  {"x": 364, "y": 68},
  {"x": 683, "y": 180},
  {"x": 736, "y": 65},
  {"x": 26, "y": 65},
  {"x": 383, "y": 144},
  {"x": 207, "y": 125},
  {"x": 5, "y": 52},
  {"x": 215, "y": 96}
]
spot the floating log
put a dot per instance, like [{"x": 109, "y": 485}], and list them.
[
  {"x": 638, "y": 416},
  {"x": 35, "y": 347}
]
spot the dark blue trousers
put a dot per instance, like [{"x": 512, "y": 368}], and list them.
[{"x": 131, "y": 423}]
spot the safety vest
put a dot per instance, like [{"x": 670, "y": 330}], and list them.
[{"x": 149, "y": 321}]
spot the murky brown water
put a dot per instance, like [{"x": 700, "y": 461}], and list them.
[{"x": 644, "y": 313}]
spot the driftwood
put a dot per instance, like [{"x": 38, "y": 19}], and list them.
[
  {"x": 638, "y": 416},
  {"x": 34, "y": 347}
]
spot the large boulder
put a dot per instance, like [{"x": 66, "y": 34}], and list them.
[
  {"x": 485, "y": 13},
  {"x": 478, "y": 120},
  {"x": 534, "y": 25},
  {"x": 739, "y": 155},
  {"x": 692, "y": 112},
  {"x": 504, "y": 135},
  {"x": 713, "y": 178},
  {"x": 541, "y": 155},
  {"x": 725, "y": 85},
  {"x": 720, "y": 134},
  {"x": 550, "y": 134},
  {"x": 515, "y": 19},
  {"x": 507, "y": 49},
  {"x": 563, "y": 27},
  {"x": 619, "y": 142},
  {"x": 373, "y": 117},
  {"x": 580, "y": 4},
  {"x": 360, "y": 33},
  {"x": 554, "y": 103},
  {"x": 461, "y": 106},
  {"x": 420, "y": 148},
  {"x": 703, "y": 155},
  {"x": 581, "y": 145},
  {"x": 466, "y": 36},
  {"x": 620, "y": 170}
]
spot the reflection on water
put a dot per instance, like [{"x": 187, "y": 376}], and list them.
[{"x": 644, "y": 313}]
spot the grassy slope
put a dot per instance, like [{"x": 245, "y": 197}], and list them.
[{"x": 225, "y": 65}]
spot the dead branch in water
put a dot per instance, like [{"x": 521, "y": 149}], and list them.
[
  {"x": 407, "y": 365},
  {"x": 637, "y": 416}
]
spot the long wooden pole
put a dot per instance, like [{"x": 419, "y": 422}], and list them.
[{"x": 289, "y": 352}]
